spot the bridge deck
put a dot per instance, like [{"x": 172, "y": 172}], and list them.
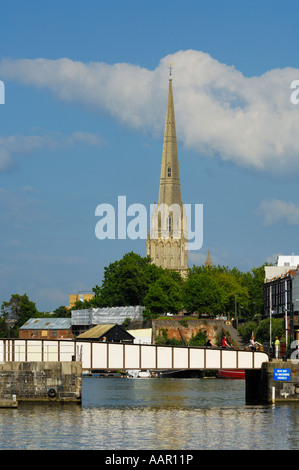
[{"x": 107, "y": 356}]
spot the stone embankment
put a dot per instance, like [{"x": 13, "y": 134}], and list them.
[
  {"x": 276, "y": 381},
  {"x": 184, "y": 329},
  {"x": 40, "y": 381}
]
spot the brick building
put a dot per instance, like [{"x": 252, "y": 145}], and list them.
[{"x": 46, "y": 328}]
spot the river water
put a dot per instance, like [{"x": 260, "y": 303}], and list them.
[{"x": 152, "y": 414}]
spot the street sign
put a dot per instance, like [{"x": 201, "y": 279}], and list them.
[{"x": 282, "y": 374}]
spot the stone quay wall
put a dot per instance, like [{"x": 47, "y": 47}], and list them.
[
  {"x": 186, "y": 328},
  {"x": 276, "y": 381},
  {"x": 41, "y": 381}
]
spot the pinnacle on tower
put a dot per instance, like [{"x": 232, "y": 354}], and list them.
[{"x": 208, "y": 261}]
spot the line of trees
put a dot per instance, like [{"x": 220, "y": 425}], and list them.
[
  {"x": 17, "y": 311},
  {"x": 134, "y": 280},
  {"x": 216, "y": 290}
]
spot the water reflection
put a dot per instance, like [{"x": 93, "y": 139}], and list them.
[
  {"x": 162, "y": 393},
  {"x": 152, "y": 414}
]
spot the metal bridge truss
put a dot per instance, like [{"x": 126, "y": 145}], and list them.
[{"x": 122, "y": 356}]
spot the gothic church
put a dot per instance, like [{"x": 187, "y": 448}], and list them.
[{"x": 167, "y": 243}]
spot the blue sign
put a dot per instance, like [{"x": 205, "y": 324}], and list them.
[{"x": 282, "y": 374}]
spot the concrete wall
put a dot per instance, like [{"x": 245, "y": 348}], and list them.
[
  {"x": 41, "y": 381},
  {"x": 276, "y": 381}
]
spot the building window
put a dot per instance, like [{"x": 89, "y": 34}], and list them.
[
  {"x": 53, "y": 333},
  {"x": 169, "y": 172}
]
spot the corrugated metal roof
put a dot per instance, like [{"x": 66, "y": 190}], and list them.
[
  {"x": 96, "y": 331},
  {"x": 107, "y": 315},
  {"x": 47, "y": 324}
]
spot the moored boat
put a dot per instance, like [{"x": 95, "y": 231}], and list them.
[
  {"x": 231, "y": 374},
  {"x": 139, "y": 374},
  {"x": 144, "y": 374}
]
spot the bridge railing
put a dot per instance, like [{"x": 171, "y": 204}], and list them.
[{"x": 107, "y": 356}]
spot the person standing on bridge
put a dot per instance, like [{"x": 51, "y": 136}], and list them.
[
  {"x": 252, "y": 344},
  {"x": 277, "y": 344}
]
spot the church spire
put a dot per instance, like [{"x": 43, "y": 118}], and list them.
[
  {"x": 208, "y": 261},
  {"x": 170, "y": 187},
  {"x": 167, "y": 243}
]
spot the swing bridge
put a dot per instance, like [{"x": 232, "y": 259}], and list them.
[{"x": 96, "y": 355}]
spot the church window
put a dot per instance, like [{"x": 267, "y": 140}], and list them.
[{"x": 169, "y": 172}]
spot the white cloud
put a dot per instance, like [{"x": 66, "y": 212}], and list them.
[
  {"x": 219, "y": 111},
  {"x": 28, "y": 144},
  {"x": 274, "y": 211}
]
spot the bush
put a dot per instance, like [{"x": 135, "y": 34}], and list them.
[
  {"x": 165, "y": 341},
  {"x": 199, "y": 339}
]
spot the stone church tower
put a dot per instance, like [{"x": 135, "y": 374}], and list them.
[{"x": 167, "y": 240}]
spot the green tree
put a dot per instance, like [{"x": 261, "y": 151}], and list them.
[
  {"x": 163, "y": 340},
  {"x": 16, "y": 312},
  {"x": 62, "y": 312},
  {"x": 164, "y": 296},
  {"x": 203, "y": 294},
  {"x": 248, "y": 329},
  {"x": 262, "y": 332},
  {"x": 199, "y": 339},
  {"x": 126, "y": 282},
  {"x": 254, "y": 281},
  {"x": 81, "y": 305},
  {"x": 235, "y": 295}
]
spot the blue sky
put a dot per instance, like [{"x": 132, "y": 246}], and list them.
[{"x": 83, "y": 122}]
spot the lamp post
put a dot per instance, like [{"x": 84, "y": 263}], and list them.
[
  {"x": 271, "y": 311},
  {"x": 236, "y": 312},
  {"x": 286, "y": 312}
]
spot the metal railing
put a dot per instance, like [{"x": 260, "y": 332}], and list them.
[{"x": 107, "y": 356}]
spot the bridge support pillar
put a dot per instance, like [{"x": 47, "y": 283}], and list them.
[
  {"x": 253, "y": 386},
  {"x": 276, "y": 381}
]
